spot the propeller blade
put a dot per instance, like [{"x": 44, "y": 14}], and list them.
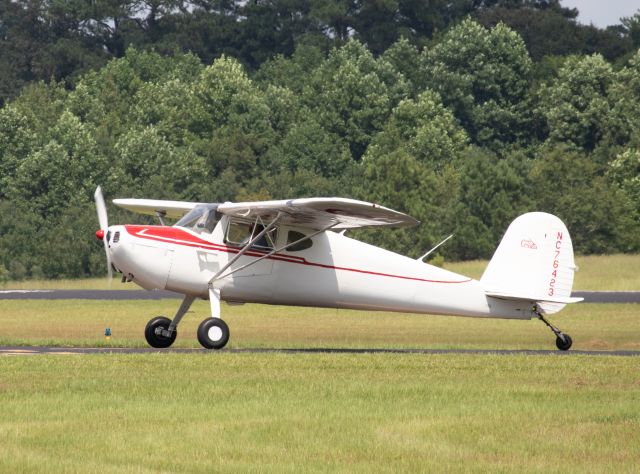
[{"x": 101, "y": 208}]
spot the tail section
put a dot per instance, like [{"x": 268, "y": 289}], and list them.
[{"x": 534, "y": 262}]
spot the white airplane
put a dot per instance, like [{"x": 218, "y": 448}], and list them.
[{"x": 294, "y": 252}]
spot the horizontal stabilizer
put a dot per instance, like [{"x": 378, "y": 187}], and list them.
[{"x": 538, "y": 299}]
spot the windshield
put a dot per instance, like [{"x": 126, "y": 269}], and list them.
[{"x": 202, "y": 218}]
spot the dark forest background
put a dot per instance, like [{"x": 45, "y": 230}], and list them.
[{"x": 462, "y": 113}]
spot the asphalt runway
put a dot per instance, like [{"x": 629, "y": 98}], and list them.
[
  {"x": 589, "y": 296},
  {"x": 46, "y": 350}
]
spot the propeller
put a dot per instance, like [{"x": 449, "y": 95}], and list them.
[{"x": 102, "y": 234}]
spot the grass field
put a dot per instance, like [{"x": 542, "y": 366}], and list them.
[
  {"x": 229, "y": 412},
  {"x": 319, "y": 413},
  {"x": 83, "y": 323}
]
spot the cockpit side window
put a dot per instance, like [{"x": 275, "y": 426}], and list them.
[
  {"x": 293, "y": 236},
  {"x": 240, "y": 233},
  {"x": 200, "y": 219}
]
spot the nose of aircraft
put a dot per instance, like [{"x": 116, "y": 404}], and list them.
[{"x": 100, "y": 234}]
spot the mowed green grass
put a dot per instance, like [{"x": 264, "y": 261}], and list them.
[
  {"x": 230, "y": 412},
  {"x": 83, "y": 323},
  {"x": 218, "y": 412},
  {"x": 70, "y": 284}
]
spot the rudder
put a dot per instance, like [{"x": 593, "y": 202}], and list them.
[{"x": 534, "y": 261}]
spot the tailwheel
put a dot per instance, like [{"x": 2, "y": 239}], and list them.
[
  {"x": 213, "y": 333},
  {"x": 565, "y": 344},
  {"x": 563, "y": 341},
  {"x": 157, "y": 332}
]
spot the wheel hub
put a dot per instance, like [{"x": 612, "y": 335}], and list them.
[{"x": 215, "y": 333}]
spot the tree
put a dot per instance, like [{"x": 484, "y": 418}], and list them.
[
  {"x": 16, "y": 140},
  {"x": 405, "y": 58},
  {"x": 352, "y": 94},
  {"x": 407, "y": 167},
  {"x": 63, "y": 172},
  {"x": 483, "y": 76},
  {"x": 631, "y": 27},
  {"x": 308, "y": 146},
  {"x": 625, "y": 172},
  {"x": 424, "y": 128},
  {"x": 150, "y": 165},
  {"x": 294, "y": 72},
  {"x": 547, "y": 28},
  {"x": 400, "y": 181},
  {"x": 624, "y": 99},
  {"x": 492, "y": 193},
  {"x": 576, "y": 105},
  {"x": 568, "y": 183}
]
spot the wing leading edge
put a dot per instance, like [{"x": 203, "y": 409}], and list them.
[{"x": 171, "y": 209}]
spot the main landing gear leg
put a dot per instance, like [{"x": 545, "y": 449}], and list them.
[
  {"x": 213, "y": 332},
  {"x": 161, "y": 331},
  {"x": 563, "y": 341}
]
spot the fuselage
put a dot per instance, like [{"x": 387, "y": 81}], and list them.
[{"x": 334, "y": 271}]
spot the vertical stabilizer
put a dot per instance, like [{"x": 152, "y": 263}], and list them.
[{"x": 534, "y": 261}]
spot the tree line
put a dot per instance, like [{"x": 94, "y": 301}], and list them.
[
  {"x": 60, "y": 40},
  {"x": 463, "y": 129}
]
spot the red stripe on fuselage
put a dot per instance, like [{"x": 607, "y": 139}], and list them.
[{"x": 177, "y": 236}]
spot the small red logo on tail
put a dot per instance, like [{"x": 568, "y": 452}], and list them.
[{"x": 528, "y": 244}]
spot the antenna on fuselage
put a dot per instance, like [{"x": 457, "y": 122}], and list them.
[{"x": 429, "y": 252}]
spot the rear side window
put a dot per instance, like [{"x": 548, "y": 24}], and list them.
[{"x": 293, "y": 236}]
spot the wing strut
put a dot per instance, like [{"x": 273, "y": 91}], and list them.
[
  {"x": 160, "y": 215},
  {"x": 245, "y": 248},
  {"x": 272, "y": 252}
]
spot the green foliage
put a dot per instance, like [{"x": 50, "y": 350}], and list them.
[
  {"x": 352, "y": 94},
  {"x": 600, "y": 217},
  {"x": 624, "y": 97},
  {"x": 632, "y": 28},
  {"x": 483, "y": 76},
  {"x": 491, "y": 193},
  {"x": 406, "y": 168},
  {"x": 547, "y": 28},
  {"x": 424, "y": 128},
  {"x": 62, "y": 172},
  {"x": 405, "y": 58},
  {"x": 464, "y": 134},
  {"x": 625, "y": 172},
  {"x": 292, "y": 72},
  {"x": 576, "y": 105}
]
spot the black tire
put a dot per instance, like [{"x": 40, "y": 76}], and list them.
[
  {"x": 213, "y": 333},
  {"x": 564, "y": 345},
  {"x": 157, "y": 340}
]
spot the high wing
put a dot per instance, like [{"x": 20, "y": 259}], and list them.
[
  {"x": 171, "y": 209},
  {"x": 312, "y": 213},
  {"x": 319, "y": 213}
]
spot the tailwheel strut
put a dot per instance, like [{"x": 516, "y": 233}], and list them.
[{"x": 563, "y": 341}]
